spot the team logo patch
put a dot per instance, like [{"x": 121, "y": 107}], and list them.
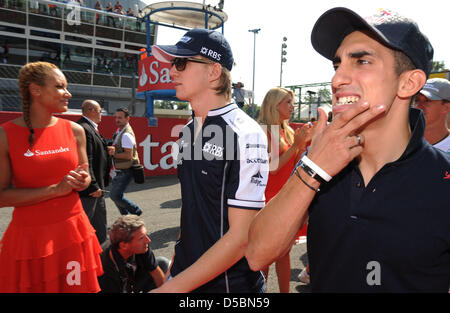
[
  {"x": 257, "y": 180},
  {"x": 186, "y": 39},
  {"x": 213, "y": 149},
  {"x": 210, "y": 53}
]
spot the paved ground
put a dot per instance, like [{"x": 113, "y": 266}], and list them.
[{"x": 160, "y": 199}]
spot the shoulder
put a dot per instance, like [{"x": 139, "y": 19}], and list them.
[
  {"x": 76, "y": 127},
  {"x": 82, "y": 121},
  {"x": 3, "y": 139},
  {"x": 243, "y": 125}
]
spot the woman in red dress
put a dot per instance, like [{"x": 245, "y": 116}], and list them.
[
  {"x": 49, "y": 245},
  {"x": 285, "y": 149}
]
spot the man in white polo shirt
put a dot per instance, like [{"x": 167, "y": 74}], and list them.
[{"x": 434, "y": 101}]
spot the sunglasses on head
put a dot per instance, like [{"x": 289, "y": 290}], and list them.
[{"x": 180, "y": 63}]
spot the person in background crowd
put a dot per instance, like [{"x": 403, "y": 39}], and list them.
[
  {"x": 434, "y": 101},
  {"x": 369, "y": 227},
  {"x": 285, "y": 148},
  {"x": 128, "y": 262},
  {"x": 99, "y": 166},
  {"x": 98, "y": 6},
  {"x": 238, "y": 94},
  {"x": 49, "y": 245},
  {"x": 124, "y": 157},
  {"x": 109, "y": 19}
]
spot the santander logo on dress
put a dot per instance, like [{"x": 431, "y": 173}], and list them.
[{"x": 38, "y": 152}]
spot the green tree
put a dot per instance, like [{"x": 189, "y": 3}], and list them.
[{"x": 438, "y": 66}]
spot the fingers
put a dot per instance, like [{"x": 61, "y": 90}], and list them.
[
  {"x": 354, "y": 141},
  {"x": 78, "y": 177},
  {"x": 322, "y": 120},
  {"x": 359, "y": 120},
  {"x": 356, "y": 116}
]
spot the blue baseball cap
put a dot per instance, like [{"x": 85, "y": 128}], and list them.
[
  {"x": 198, "y": 41},
  {"x": 391, "y": 29}
]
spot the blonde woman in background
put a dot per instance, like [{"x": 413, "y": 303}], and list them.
[{"x": 285, "y": 148}]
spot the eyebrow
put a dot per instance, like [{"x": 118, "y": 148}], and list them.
[{"x": 353, "y": 55}]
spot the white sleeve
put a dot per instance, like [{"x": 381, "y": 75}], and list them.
[
  {"x": 249, "y": 174},
  {"x": 128, "y": 141}
]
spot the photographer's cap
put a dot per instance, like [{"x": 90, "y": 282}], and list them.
[
  {"x": 437, "y": 89},
  {"x": 198, "y": 41},
  {"x": 392, "y": 30}
]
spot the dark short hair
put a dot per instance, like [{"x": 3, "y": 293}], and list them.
[
  {"x": 402, "y": 63},
  {"x": 123, "y": 229},
  {"x": 124, "y": 110}
]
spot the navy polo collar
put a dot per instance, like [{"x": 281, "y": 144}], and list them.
[
  {"x": 220, "y": 111},
  {"x": 417, "y": 141}
]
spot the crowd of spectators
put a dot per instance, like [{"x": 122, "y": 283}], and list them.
[{"x": 53, "y": 10}]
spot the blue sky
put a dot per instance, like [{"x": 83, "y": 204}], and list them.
[{"x": 294, "y": 19}]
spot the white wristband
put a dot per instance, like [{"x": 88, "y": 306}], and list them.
[{"x": 324, "y": 175}]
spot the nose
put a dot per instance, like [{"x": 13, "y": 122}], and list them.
[
  {"x": 341, "y": 77},
  {"x": 173, "y": 71},
  {"x": 68, "y": 94}
]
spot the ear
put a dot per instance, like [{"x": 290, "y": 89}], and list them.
[
  {"x": 447, "y": 106},
  {"x": 123, "y": 245},
  {"x": 215, "y": 71},
  {"x": 411, "y": 82},
  {"x": 35, "y": 90}
]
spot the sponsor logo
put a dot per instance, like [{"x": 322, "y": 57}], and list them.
[
  {"x": 186, "y": 39},
  {"x": 213, "y": 149},
  {"x": 256, "y": 145},
  {"x": 257, "y": 180},
  {"x": 257, "y": 161},
  {"x": 211, "y": 53},
  {"x": 45, "y": 152}
]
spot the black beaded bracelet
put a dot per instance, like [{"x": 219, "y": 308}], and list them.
[
  {"x": 312, "y": 173},
  {"x": 308, "y": 185}
]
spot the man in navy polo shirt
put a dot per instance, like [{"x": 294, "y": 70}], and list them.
[
  {"x": 222, "y": 167},
  {"x": 376, "y": 192}
]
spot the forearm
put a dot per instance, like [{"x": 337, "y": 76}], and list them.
[
  {"x": 123, "y": 155},
  {"x": 219, "y": 258},
  {"x": 277, "y": 162},
  {"x": 273, "y": 230},
  {"x": 158, "y": 276},
  {"x": 26, "y": 196}
]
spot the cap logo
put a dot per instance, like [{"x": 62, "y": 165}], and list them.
[
  {"x": 431, "y": 87},
  {"x": 186, "y": 39},
  {"x": 380, "y": 17},
  {"x": 211, "y": 53}
]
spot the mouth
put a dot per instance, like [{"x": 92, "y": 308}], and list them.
[{"x": 343, "y": 103}]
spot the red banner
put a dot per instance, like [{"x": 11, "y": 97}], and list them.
[
  {"x": 154, "y": 144},
  {"x": 154, "y": 75}
]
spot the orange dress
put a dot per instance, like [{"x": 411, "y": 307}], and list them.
[
  {"x": 49, "y": 246},
  {"x": 277, "y": 181}
]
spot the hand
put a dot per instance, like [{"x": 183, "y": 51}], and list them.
[
  {"x": 79, "y": 178},
  {"x": 336, "y": 145},
  {"x": 303, "y": 136},
  {"x": 111, "y": 150},
  {"x": 96, "y": 194}
]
